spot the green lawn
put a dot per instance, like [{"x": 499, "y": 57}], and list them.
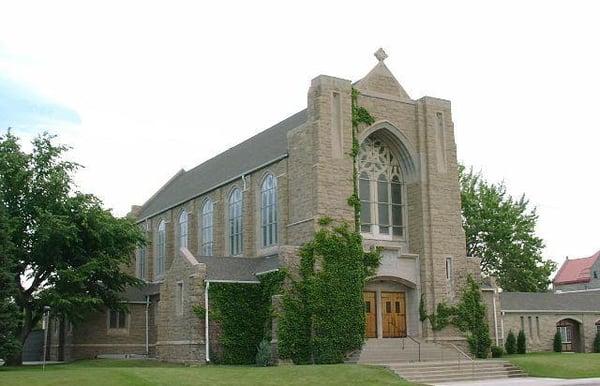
[
  {"x": 558, "y": 365},
  {"x": 110, "y": 372}
]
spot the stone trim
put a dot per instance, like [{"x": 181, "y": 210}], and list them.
[
  {"x": 178, "y": 342},
  {"x": 565, "y": 312}
]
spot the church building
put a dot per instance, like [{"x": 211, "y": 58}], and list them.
[{"x": 248, "y": 210}]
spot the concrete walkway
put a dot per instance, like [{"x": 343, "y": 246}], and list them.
[{"x": 530, "y": 381}]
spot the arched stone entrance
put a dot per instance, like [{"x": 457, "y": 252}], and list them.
[
  {"x": 391, "y": 306},
  {"x": 569, "y": 330}
]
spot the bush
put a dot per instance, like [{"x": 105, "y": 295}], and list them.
[
  {"x": 521, "y": 343},
  {"x": 557, "y": 344},
  {"x": 511, "y": 343},
  {"x": 263, "y": 354},
  {"x": 497, "y": 352},
  {"x": 597, "y": 342}
]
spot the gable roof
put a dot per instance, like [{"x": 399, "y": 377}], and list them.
[
  {"x": 266, "y": 147},
  {"x": 548, "y": 301},
  {"x": 576, "y": 270}
]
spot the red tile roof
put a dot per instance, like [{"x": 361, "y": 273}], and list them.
[{"x": 576, "y": 270}]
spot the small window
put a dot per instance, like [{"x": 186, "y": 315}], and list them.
[
  {"x": 595, "y": 274},
  {"x": 368, "y": 307},
  {"x": 448, "y": 268},
  {"x": 117, "y": 319},
  {"x": 523, "y": 323},
  {"x": 388, "y": 307},
  {"x": 598, "y": 327},
  {"x": 537, "y": 326},
  {"x": 179, "y": 305},
  {"x": 530, "y": 326},
  {"x": 397, "y": 307}
]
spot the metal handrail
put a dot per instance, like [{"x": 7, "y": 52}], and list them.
[
  {"x": 461, "y": 352},
  {"x": 416, "y": 341}
]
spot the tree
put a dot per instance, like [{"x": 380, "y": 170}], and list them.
[
  {"x": 64, "y": 249},
  {"x": 511, "y": 343},
  {"x": 521, "y": 343},
  {"x": 9, "y": 314},
  {"x": 596, "y": 343},
  {"x": 501, "y": 231},
  {"x": 557, "y": 343}
]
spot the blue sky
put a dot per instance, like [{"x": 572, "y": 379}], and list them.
[
  {"x": 141, "y": 89},
  {"x": 26, "y": 111}
]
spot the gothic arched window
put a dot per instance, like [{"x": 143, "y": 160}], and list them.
[
  {"x": 235, "y": 222},
  {"x": 268, "y": 210},
  {"x": 183, "y": 229},
  {"x": 381, "y": 190},
  {"x": 161, "y": 248},
  {"x": 206, "y": 227}
]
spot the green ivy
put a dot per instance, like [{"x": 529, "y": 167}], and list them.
[
  {"x": 244, "y": 314},
  {"x": 360, "y": 115},
  {"x": 469, "y": 315},
  {"x": 323, "y": 316}
]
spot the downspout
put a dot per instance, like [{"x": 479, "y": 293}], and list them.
[
  {"x": 495, "y": 317},
  {"x": 147, "y": 306},
  {"x": 502, "y": 325},
  {"x": 206, "y": 340}
]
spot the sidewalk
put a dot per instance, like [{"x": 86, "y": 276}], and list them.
[{"x": 530, "y": 381}]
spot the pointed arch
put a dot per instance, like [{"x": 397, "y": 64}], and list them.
[
  {"x": 206, "y": 227},
  {"x": 400, "y": 145},
  {"x": 161, "y": 245},
  {"x": 235, "y": 221},
  {"x": 268, "y": 210},
  {"x": 182, "y": 230}
]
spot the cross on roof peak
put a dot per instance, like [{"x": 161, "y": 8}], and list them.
[{"x": 380, "y": 54}]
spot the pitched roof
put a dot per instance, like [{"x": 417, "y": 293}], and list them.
[
  {"x": 548, "y": 301},
  {"x": 576, "y": 270},
  {"x": 255, "y": 152},
  {"x": 237, "y": 268},
  {"x": 134, "y": 294}
]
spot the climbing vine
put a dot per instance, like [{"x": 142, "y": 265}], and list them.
[
  {"x": 243, "y": 313},
  {"x": 360, "y": 115},
  {"x": 469, "y": 315},
  {"x": 323, "y": 317}
]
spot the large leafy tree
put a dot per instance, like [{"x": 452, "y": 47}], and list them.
[
  {"x": 9, "y": 314},
  {"x": 62, "y": 249},
  {"x": 501, "y": 231}
]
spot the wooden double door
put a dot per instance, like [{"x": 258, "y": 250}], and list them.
[{"x": 393, "y": 314}]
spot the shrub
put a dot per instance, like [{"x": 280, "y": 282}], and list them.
[
  {"x": 557, "y": 344},
  {"x": 521, "y": 343},
  {"x": 497, "y": 352},
  {"x": 263, "y": 354},
  {"x": 511, "y": 343},
  {"x": 597, "y": 342}
]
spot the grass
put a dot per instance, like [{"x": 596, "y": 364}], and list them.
[
  {"x": 133, "y": 373},
  {"x": 558, "y": 365}
]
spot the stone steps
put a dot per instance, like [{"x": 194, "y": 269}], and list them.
[
  {"x": 438, "y": 364},
  {"x": 452, "y": 371}
]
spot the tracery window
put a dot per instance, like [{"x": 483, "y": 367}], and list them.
[
  {"x": 268, "y": 210},
  {"x": 235, "y": 222},
  {"x": 381, "y": 190},
  {"x": 207, "y": 228}
]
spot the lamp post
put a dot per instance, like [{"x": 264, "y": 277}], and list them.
[{"x": 45, "y": 323}]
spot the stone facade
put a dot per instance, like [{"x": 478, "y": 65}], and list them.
[{"x": 314, "y": 179}]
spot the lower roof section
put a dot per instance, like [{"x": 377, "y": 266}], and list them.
[{"x": 549, "y": 301}]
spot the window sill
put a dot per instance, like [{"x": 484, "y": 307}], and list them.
[{"x": 266, "y": 251}]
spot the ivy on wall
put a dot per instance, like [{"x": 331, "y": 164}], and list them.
[
  {"x": 469, "y": 315},
  {"x": 360, "y": 115},
  {"x": 244, "y": 314},
  {"x": 323, "y": 317}
]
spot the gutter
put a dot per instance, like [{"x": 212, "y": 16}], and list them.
[
  {"x": 147, "y": 306},
  {"x": 277, "y": 159},
  {"x": 206, "y": 339}
]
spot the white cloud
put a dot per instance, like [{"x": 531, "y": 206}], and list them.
[{"x": 165, "y": 85}]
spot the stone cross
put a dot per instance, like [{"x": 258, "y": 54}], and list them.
[{"x": 380, "y": 55}]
